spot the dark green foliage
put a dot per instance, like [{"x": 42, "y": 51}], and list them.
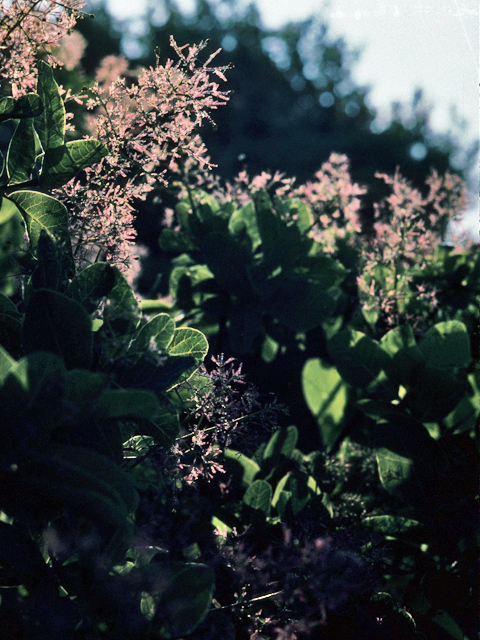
[{"x": 141, "y": 495}]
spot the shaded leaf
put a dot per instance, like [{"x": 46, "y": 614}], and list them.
[
  {"x": 281, "y": 443},
  {"x": 434, "y": 393},
  {"x": 92, "y": 284},
  {"x": 229, "y": 262},
  {"x": 20, "y": 556},
  {"x": 358, "y": 358},
  {"x": 21, "y": 154},
  {"x": 245, "y": 326},
  {"x": 247, "y": 467},
  {"x": 185, "y": 601},
  {"x": 62, "y": 163},
  {"x": 406, "y": 359},
  {"x": 446, "y": 346},
  {"x": 27, "y": 106},
  {"x": 412, "y": 465},
  {"x": 10, "y": 326},
  {"x": 301, "y": 304},
  {"x": 258, "y": 496},
  {"x": 54, "y": 322},
  {"x": 153, "y": 374},
  {"x": 393, "y": 525},
  {"x": 53, "y": 266}
]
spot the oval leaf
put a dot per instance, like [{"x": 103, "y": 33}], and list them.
[
  {"x": 50, "y": 124},
  {"x": 258, "y": 496},
  {"x": 53, "y": 322},
  {"x": 64, "y": 162},
  {"x": 42, "y": 212}
]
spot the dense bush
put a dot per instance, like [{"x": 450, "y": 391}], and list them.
[{"x": 145, "y": 493}]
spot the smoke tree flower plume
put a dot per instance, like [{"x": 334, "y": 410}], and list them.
[
  {"x": 408, "y": 228},
  {"x": 28, "y": 30},
  {"x": 147, "y": 118}
]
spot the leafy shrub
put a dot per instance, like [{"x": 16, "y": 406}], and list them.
[{"x": 145, "y": 494}]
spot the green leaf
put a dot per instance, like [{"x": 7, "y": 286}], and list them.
[
  {"x": 27, "y": 106},
  {"x": 175, "y": 241},
  {"x": 56, "y": 323},
  {"x": 245, "y": 326},
  {"x": 157, "y": 334},
  {"x": 258, "y": 496},
  {"x": 326, "y": 395},
  {"x": 21, "y": 153},
  {"x": 448, "y": 625},
  {"x": 10, "y": 325},
  {"x": 244, "y": 220},
  {"x": 392, "y": 525},
  {"x": 281, "y": 443},
  {"x": 42, "y": 212},
  {"x": 188, "y": 342},
  {"x": 166, "y": 426},
  {"x": 269, "y": 349},
  {"x": 53, "y": 266},
  {"x": 50, "y": 124},
  {"x": 7, "y": 363},
  {"x": 87, "y": 469},
  {"x": 446, "y": 346},
  {"x": 143, "y": 406},
  {"x": 281, "y": 488},
  {"x": 185, "y": 601},
  {"x": 434, "y": 393},
  {"x": 300, "y": 303},
  {"x": 248, "y": 467},
  {"x": 154, "y": 374},
  {"x": 122, "y": 296},
  {"x": 229, "y": 262},
  {"x": 8, "y": 210},
  {"x": 92, "y": 284},
  {"x": 410, "y": 463},
  {"x": 283, "y": 243},
  {"x": 358, "y": 358},
  {"x": 406, "y": 359},
  {"x": 62, "y": 163}
]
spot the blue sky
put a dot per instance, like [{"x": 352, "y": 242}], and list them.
[{"x": 405, "y": 45}]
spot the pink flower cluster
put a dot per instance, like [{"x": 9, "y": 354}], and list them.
[
  {"x": 30, "y": 29},
  {"x": 147, "y": 119},
  {"x": 408, "y": 227},
  {"x": 334, "y": 200}
]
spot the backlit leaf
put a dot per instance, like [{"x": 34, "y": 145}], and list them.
[
  {"x": 64, "y": 162},
  {"x": 21, "y": 152},
  {"x": 50, "y": 124},
  {"x": 258, "y": 496},
  {"x": 42, "y": 212}
]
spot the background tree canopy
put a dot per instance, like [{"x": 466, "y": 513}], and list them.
[
  {"x": 293, "y": 101},
  {"x": 294, "y": 97}
]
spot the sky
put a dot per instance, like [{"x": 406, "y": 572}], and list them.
[{"x": 404, "y": 45}]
